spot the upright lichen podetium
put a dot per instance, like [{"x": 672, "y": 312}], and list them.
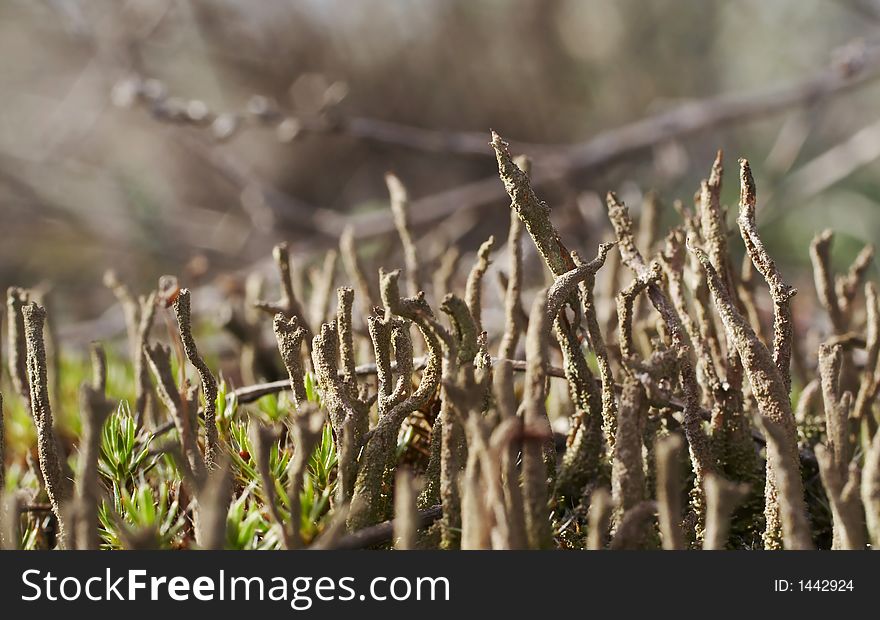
[
  {"x": 764, "y": 369},
  {"x": 583, "y": 387},
  {"x": 57, "y": 486},
  {"x": 182, "y": 309},
  {"x": 698, "y": 442}
]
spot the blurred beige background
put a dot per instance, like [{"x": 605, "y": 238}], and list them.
[{"x": 88, "y": 182}]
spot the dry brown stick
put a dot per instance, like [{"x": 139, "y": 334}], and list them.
[
  {"x": 347, "y": 406},
  {"x": 626, "y": 301},
  {"x": 461, "y": 349},
  {"x": 856, "y": 69},
  {"x": 382, "y": 533},
  {"x": 828, "y": 168},
  {"x": 345, "y": 331},
  {"x": 706, "y": 319},
  {"x": 11, "y": 505},
  {"x": 251, "y": 393},
  {"x": 335, "y": 396},
  {"x": 714, "y": 229},
  {"x": 477, "y": 516},
  {"x": 609, "y": 146},
  {"x": 631, "y": 139},
  {"x": 493, "y": 451},
  {"x": 534, "y": 213},
  {"x": 394, "y": 404}
]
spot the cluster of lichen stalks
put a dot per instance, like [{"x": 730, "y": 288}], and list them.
[{"x": 692, "y": 367}]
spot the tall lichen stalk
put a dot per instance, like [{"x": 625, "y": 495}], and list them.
[
  {"x": 94, "y": 408},
  {"x": 585, "y": 451},
  {"x": 183, "y": 312},
  {"x": 57, "y": 485},
  {"x": 767, "y": 369},
  {"x": 139, "y": 314}
]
